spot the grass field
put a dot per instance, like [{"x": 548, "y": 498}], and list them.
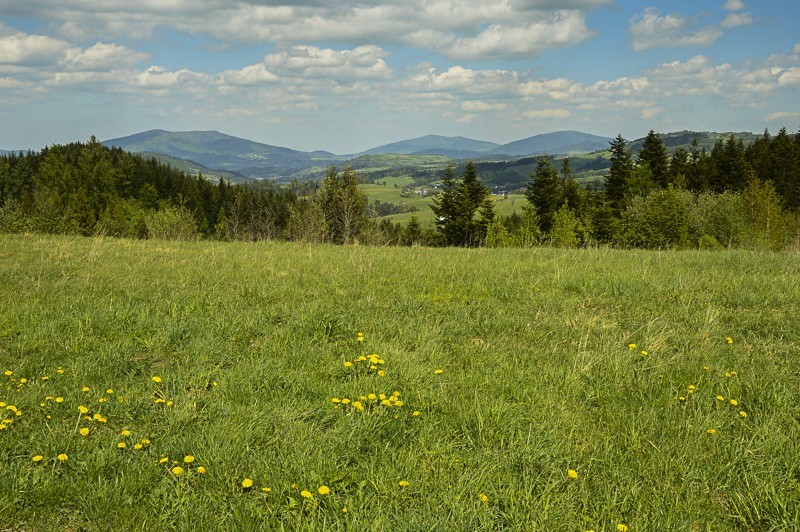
[
  {"x": 519, "y": 402},
  {"x": 504, "y": 206}
]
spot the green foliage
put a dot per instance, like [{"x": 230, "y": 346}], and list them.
[
  {"x": 464, "y": 208},
  {"x": 566, "y": 229},
  {"x": 545, "y": 191},
  {"x": 172, "y": 223},
  {"x": 619, "y": 174},
  {"x": 658, "y": 220},
  {"x": 343, "y": 206},
  {"x": 654, "y": 156}
]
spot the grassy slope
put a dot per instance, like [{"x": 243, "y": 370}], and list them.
[
  {"x": 537, "y": 379},
  {"x": 389, "y": 194}
]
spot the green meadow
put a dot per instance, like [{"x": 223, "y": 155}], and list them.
[
  {"x": 151, "y": 385},
  {"x": 388, "y": 193}
]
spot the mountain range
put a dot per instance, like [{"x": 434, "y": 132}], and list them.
[{"x": 215, "y": 151}]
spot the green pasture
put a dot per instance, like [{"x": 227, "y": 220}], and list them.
[{"x": 151, "y": 385}]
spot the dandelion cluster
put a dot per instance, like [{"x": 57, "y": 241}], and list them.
[
  {"x": 367, "y": 363},
  {"x": 370, "y": 402}
]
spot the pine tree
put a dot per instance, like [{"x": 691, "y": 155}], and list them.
[{"x": 464, "y": 209}]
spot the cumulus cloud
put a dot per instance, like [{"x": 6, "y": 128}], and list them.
[
  {"x": 21, "y": 49},
  {"x": 363, "y": 62},
  {"x": 456, "y": 28},
  {"x": 734, "y": 20},
  {"x": 733, "y": 5},
  {"x": 651, "y": 29},
  {"x": 102, "y": 56},
  {"x": 547, "y": 113},
  {"x": 482, "y": 106}
]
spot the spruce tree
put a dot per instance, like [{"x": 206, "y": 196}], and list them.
[
  {"x": 654, "y": 155},
  {"x": 619, "y": 174},
  {"x": 545, "y": 191}
]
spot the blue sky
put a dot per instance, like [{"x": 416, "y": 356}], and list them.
[{"x": 347, "y": 76}]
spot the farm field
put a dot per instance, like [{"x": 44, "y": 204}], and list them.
[
  {"x": 150, "y": 385},
  {"x": 504, "y": 206}
]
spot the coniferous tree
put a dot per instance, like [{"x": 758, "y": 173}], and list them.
[
  {"x": 654, "y": 155},
  {"x": 619, "y": 174},
  {"x": 545, "y": 191},
  {"x": 464, "y": 209}
]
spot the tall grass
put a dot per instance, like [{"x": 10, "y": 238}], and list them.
[{"x": 537, "y": 378}]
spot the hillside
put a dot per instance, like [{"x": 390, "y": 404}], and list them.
[
  {"x": 556, "y": 143},
  {"x": 195, "y": 169},
  {"x": 224, "y": 152},
  {"x": 455, "y": 147},
  {"x": 683, "y": 139}
]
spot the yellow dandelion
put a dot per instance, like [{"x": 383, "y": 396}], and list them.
[
  {"x": 266, "y": 489},
  {"x": 201, "y": 470},
  {"x": 177, "y": 471},
  {"x": 631, "y": 347},
  {"x": 63, "y": 457},
  {"x": 692, "y": 387},
  {"x": 110, "y": 391},
  {"x": 45, "y": 378},
  {"x": 59, "y": 399},
  {"x": 159, "y": 400},
  {"x": 572, "y": 474},
  {"x": 335, "y": 400},
  {"x": 163, "y": 460},
  {"x": 344, "y": 509},
  {"x": 247, "y": 483},
  {"x": 734, "y": 402},
  {"x": 720, "y": 398},
  {"x": 712, "y": 431},
  {"x": 729, "y": 340},
  {"x": 404, "y": 483},
  {"x": 38, "y": 457},
  {"x": 622, "y": 527},
  {"x": 381, "y": 373},
  {"x": 415, "y": 413},
  {"x": 743, "y": 413},
  {"x": 372, "y": 397},
  {"x": 84, "y": 431},
  {"x": 85, "y": 389},
  {"x": 644, "y": 353},
  {"x": 360, "y": 337},
  {"x": 60, "y": 371},
  {"x": 727, "y": 374},
  {"x": 188, "y": 459},
  {"x": 145, "y": 441},
  {"x": 438, "y": 371},
  {"x": 138, "y": 446},
  {"x": 706, "y": 368},
  {"x": 125, "y": 433},
  {"x": 681, "y": 398},
  {"x": 170, "y": 403},
  {"x": 324, "y": 490},
  {"x": 348, "y": 364},
  {"x": 121, "y": 445},
  {"x": 484, "y": 498},
  {"x": 345, "y": 401},
  {"x": 306, "y": 494},
  {"x": 83, "y": 410},
  {"x": 8, "y": 373},
  {"x": 156, "y": 379}
]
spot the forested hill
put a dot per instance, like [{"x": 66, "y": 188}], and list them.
[{"x": 88, "y": 188}]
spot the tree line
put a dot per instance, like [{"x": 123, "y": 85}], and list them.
[{"x": 730, "y": 196}]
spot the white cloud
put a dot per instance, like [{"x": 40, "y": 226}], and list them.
[
  {"x": 734, "y": 20},
  {"x": 21, "y": 49},
  {"x": 556, "y": 30},
  {"x": 733, "y": 5},
  {"x": 361, "y": 63},
  {"x": 650, "y": 30},
  {"x": 784, "y": 116},
  {"x": 547, "y": 113},
  {"x": 249, "y": 75},
  {"x": 102, "y": 56},
  {"x": 482, "y": 106}
]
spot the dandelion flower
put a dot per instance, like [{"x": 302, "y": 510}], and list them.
[
  {"x": 372, "y": 397},
  {"x": 712, "y": 431},
  {"x": 125, "y": 433},
  {"x": 163, "y": 460},
  {"x": 681, "y": 398},
  {"x": 381, "y": 373},
  {"x": 247, "y": 483},
  {"x": 720, "y": 398},
  {"x": 415, "y": 413},
  {"x": 335, "y": 400},
  {"x": 38, "y": 457},
  {"x": 622, "y": 528},
  {"x": 59, "y": 399},
  {"x": 360, "y": 337},
  {"x": 324, "y": 490},
  {"x": 8, "y": 373},
  {"x": 85, "y": 389},
  {"x": 345, "y": 401},
  {"x": 572, "y": 474},
  {"x": 121, "y": 445},
  {"x": 348, "y": 364},
  {"x": 734, "y": 402},
  {"x": 265, "y": 489},
  {"x": 156, "y": 379},
  {"x": 83, "y": 410},
  {"x": 706, "y": 368},
  {"x": 631, "y": 347},
  {"x": 484, "y": 498},
  {"x": 729, "y": 340},
  {"x": 170, "y": 403},
  {"x": 188, "y": 459},
  {"x": 60, "y": 371},
  {"x": 438, "y": 371},
  {"x": 63, "y": 457},
  {"x": 743, "y": 413},
  {"x": 138, "y": 446},
  {"x": 145, "y": 441},
  {"x": 644, "y": 353},
  {"x": 344, "y": 510},
  {"x": 201, "y": 470},
  {"x": 110, "y": 391},
  {"x": 177, "y": 471},
  {"x": 84, "y": 431},
  {"x": 306, "y": 494},
  {"x": 404, "y": 483}
]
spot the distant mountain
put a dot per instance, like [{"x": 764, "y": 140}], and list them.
[
  {"x": 557, "y": 143},
  {"x": 455, "y": 147},
  {"x": 683, "y": 139},
  {"x": 224, "y": 152},
  {"x": 192, "y": 168}
]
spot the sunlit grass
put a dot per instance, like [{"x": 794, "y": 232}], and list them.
[{"x": 497, "y": 389}]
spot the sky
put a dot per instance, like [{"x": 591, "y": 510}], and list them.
[{"x": 346, "y": 76}]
